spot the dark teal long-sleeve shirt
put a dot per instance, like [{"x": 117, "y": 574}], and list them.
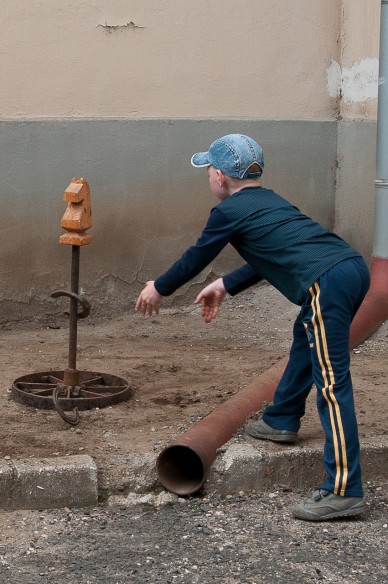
[{"x": 278, "y": 243}]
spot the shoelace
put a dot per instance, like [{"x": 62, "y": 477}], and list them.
[{"x": 320, "y": 494}]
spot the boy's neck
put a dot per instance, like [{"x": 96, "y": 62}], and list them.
[{"x": 234, "y": 187}]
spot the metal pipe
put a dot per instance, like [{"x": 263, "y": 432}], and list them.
[
  {"x": 374, "y": 309},
  {"x": 380, "y": 248},
  {"x": 182, "y": 466}
]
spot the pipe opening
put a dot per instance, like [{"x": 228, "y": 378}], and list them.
[{"x": 180, "y": 470}]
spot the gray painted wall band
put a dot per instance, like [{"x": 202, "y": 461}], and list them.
[{"x": 148, "y": 202}]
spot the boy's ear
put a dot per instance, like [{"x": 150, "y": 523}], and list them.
[{"x": 221, "y": 178}]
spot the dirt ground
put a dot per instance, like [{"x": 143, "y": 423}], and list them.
[{"x": 179, "y": 369}]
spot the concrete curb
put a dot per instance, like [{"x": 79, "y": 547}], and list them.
[
  {"x": 48, "y": 483},
  {"x": 239, "y": 466},
  {"x": 245, "y": 467},
  {"x": 80, "y": 481}
]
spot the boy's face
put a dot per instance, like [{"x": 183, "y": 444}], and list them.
[{"x": 217, "y": 183}]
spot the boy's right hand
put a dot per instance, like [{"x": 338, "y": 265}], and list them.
[{"x": 149, "y": 299}]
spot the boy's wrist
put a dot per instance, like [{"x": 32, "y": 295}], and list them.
[
  {"x": 156, "y": 289},
  {"x": 220, "y": 283},
  {"x": 225, "y": 285}
]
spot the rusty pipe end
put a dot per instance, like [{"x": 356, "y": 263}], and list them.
[{"x": 181, "y": 470}]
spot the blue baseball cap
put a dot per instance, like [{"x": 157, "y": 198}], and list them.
[{"x": 233, "y": 154}]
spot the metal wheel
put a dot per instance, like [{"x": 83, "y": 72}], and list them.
[{"x": 46, "y": 389}]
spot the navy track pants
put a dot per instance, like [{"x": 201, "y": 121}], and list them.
[{"x": 320, "y": 355}]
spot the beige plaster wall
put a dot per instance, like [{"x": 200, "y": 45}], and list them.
[
  {"x": 359, "y": 57},
  {"x": 357, "y": 79},
  {"x": 122, "y": 92},
  {"x": 163, "y": 58}
]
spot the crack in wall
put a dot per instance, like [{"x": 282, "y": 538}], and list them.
[
  {"x": 110, "y": 28},
  {"x": 208, "y": 276},
  {"x": 134, "y": 280}
]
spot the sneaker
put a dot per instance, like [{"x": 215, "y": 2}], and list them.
[
  {"x": 262, "y": 431},
  {"x": 325, "y": 505}
]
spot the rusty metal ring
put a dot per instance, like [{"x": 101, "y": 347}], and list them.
[
  {"x": 84, "y": 303},
  {"x": 73, "y": 421}
]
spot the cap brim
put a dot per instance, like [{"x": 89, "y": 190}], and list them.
[{"x": 200, "y": 159}]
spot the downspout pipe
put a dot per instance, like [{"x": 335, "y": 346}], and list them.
[
  {"x": 374, "y": 310},
  {"x": 182, "y": 466}
]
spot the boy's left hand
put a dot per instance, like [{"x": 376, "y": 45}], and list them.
[
  {"x": 149, "y": 299},
  {"x": 211, "y": 298}
]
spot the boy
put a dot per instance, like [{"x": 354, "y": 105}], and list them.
[{"x": 313, "y": 268}]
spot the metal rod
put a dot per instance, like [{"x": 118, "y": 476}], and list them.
[{"x": 75, "y": 261}]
